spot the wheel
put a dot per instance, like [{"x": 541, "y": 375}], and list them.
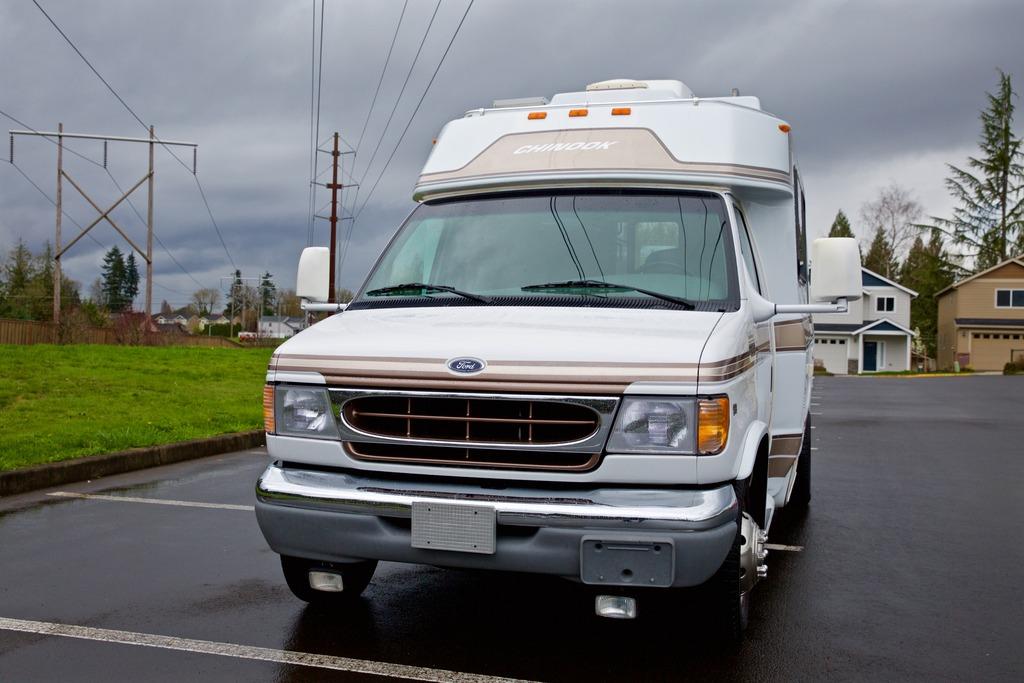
[
  {"x": 728, "y": 604},
  {"x": 355, "y": 576},
  {"x": 801, "y": 495}
]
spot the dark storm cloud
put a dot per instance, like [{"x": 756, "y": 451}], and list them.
[{"x": 876, "y": 91}]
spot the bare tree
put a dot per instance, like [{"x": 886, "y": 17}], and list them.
[
  {"x": 894, "y": 213},
  {"x": 205, "y": 300},
  {"x": 288, "y": 303}
]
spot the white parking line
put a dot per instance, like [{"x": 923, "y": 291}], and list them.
[
  {"x": 814, "y": 448},
  {"x": 151, "y": 501},
  {"x": 817, "y": 413},
  {"x": 263, "y": 654},
  {"x": 787, "y": 548}
]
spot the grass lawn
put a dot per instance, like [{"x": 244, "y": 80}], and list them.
[{"x": 62, "y": 402}]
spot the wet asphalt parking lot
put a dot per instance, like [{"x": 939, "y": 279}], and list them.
[{"x": 910, "y": 568}]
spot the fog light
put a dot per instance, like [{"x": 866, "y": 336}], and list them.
[
  {"x": 328, "y": 582},
  {"x": 615, "y": 607}
]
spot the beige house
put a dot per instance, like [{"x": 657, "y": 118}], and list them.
[
  {"x": 874, "y": 335},
  {"x": 981, "y": 318}
]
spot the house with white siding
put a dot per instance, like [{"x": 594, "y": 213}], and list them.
[{"x": 874, "y": 335}]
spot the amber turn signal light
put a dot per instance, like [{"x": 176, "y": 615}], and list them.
[
  {"x": 712, "y": 424},
  {"x": 268, "y": 408}
]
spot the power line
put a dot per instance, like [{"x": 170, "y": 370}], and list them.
[
  {"x": 380, "y": 81},
  {"x": 355, "y": 215},
  {"x": 116, "y": 184},
  {"x": 89, "y": 234},
  {"x": 142, "y": 123},
  {"x": 49, "y": 138},
  {"x": 416, "y": 110},
  {"x": 316, "y": 75},
  {"x": 402, "y": 91},
  {"x": 155, "y": 236},
  {"x": 54, "y": 203}
]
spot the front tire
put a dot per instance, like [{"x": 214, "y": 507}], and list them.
[
  {"x": 801, "y": 496},
  {"x": 728, "y": 604},
  {"x": 355, "y": 577}
]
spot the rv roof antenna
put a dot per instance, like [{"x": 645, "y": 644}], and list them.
[{"x": 735, "y": 92}]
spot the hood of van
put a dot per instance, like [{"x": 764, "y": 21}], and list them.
[{"x": 592, "y": 350}]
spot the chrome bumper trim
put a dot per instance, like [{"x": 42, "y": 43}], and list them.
[{"x": 602, "y": 508}]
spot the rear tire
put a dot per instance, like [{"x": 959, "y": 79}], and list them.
[
  {"x": 355, "y": 576},
  {"x": 801, "y": 495}
]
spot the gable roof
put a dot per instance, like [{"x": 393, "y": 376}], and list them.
[
  {"x": 869, "y": 278},
  {"x": 1019, "y": 260},
  {"x": 883, "y": 325}
]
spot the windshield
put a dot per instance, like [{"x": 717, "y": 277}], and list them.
[{"x": 613, "y": 249}]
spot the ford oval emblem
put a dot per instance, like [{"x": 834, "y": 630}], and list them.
[{"x": 466, "y": 366}]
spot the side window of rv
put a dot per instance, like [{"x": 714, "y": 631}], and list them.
[
  {"x": 800, "y": 216},
  {"x": 747, "y": 249}
]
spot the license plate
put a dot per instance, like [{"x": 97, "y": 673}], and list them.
[{"x": 456, "y": 527}]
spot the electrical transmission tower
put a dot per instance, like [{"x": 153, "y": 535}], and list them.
[{"x": 104, "y": 215}]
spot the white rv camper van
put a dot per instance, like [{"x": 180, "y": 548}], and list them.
[{"x": 586, "y": 353}]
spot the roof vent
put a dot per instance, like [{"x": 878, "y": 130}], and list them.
[
  {"x": 520, "y": 102},
  {"x": 616, "y": 84}
]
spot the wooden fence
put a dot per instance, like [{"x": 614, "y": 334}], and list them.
[{"x": 32, "y": 332}]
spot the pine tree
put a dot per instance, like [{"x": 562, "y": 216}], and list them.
[
  {"x": 236, "y": 296},
  {"x": 989, "y": 219},
  {"x": 841, "y": 226},
  {"x": 268, "y": 293},
  {"x": 114, "y": 275},
  {"x": 927, "y": 270},
  {"x": 18, "y": 273},
  {"x": 880, "y": 257},
  {"x": 130, "y": 285}
]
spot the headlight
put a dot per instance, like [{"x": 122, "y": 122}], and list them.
[
  {"x": 653, "y": 425},
  {"x": 304, "y": 411},
  {"x": 671, "y": 426}
]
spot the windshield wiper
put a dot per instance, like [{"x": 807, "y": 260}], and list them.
[
  {"x": 600, "y": 284},
  {"x": 395, "y": 289}
]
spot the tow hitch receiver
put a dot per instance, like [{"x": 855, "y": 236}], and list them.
[{"x": 609, "y": 561}]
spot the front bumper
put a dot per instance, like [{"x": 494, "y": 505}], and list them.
[{"x": 344, "y": 516}]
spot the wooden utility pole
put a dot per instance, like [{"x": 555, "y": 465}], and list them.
[
  {"x": 334, "y": 187},
  {"x": 149, "y": 229},
  {"x": 57, "y": 277}
]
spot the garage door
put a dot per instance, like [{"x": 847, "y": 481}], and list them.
[
  {"x": 991, "y": 350},
  {"x": 832, "y": 352}
]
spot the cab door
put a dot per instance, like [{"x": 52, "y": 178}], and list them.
[{"x": 763, "y": 338}]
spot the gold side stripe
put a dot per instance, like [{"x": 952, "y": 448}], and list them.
[
  {"x": 779, "y": 466},
  {"x": 788, "y": 444}
]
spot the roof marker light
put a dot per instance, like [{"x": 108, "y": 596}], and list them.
[
  {"x": 621, "y": 111},
  {"x": 534, "y": 115},
  {"x": 785, "y": 127},
  {"x": 578, "y": 112}
]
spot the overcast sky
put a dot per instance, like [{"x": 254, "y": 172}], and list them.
[{"x": 876, "y": 92}]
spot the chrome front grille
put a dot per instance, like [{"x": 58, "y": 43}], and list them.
[
  {"x": 474, "y": 429},
  {"x": 482, "y": 420}
]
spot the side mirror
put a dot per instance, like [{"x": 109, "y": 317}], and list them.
[
  {"x": 311, "y": 281},
  {"x": 835, "y": 280},
  {"x": 835, "y": 263}
]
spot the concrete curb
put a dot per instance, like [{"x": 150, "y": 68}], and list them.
[{"x": 96, "y": 466}]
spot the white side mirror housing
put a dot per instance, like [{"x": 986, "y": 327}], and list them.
[
  {"x": 835, "y": 274},
  {"x": 311, "y": 282}
]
